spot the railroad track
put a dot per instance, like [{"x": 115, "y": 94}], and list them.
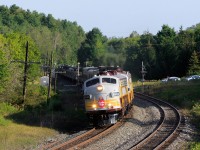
[
  {"x": 163, "y": 134},
  {"x": 84, "y": 139},
  {"x": 167, "y": 128}
]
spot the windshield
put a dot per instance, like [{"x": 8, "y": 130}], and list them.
[
  {"x": 92, "y": 82},
  {"x": 109, "y": 80}
]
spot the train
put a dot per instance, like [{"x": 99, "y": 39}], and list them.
[
  {"x": 81, "y": 74},
  {"x": 107, "y": 92},
  {"x": 108, "y": 97}
]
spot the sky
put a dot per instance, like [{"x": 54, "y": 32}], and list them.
[{"x": 118, "y": 18}]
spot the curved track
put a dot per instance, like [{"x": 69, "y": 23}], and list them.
[
  {"x": 166, "y": 130},
  {"x": 84, "y": 139}
]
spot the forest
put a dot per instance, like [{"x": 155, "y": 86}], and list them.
[{"x": 168, "y": 53}]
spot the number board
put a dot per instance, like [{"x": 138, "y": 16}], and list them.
[{"x": 123, "y": 82}]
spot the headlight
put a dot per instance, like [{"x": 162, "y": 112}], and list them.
[
  {"x": 94, "y": 106},
  {"x": 99, "y": 88},
  {"x": 110, "y": 106}
]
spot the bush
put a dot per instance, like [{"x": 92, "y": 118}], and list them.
[
  {"x": 3, "y": 121},
  {"x": 195, "y": 146},
  {"x": 55, "y": 104},
  {"x": 6, "y": 109},
  {"x": 196, "y": 113}
]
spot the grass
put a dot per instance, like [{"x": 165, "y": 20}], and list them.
[
  {"x": 17, "y": 136},
  {"x": 25, "y": 128},
  {"x": 185, "y": 95}
]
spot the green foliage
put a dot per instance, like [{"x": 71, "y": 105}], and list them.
[
  {"x": 167, "y": 53},
  {"x": 197, "y": 37},
  {"x": 194, "y": 65},
  {"x": 44, "y": 35},
  {"x": 3, "y": 63},
  {"x": 55, "y": 104},
  {"x": 5, "y": 110},
  {"x": 110, "y": 59},
  {"x": 186, "y": 45},
  {"x": 12, "y": 53},
  {"x": 196, "y": 109},
  {"x": 93, "y": 48},
  {"x": 195, "y": 146},
  {"x": 196, "y": 114},
  {"x": 3, "y": 121},
  {"x": 48, "y": 33}
]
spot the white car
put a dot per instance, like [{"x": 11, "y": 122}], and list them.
[
  {"x": 174, "y": 79},
  {"x": 170, "y": 79},
  {"x": 164, "y": 80},
  {"x": 192, "y": 77}
]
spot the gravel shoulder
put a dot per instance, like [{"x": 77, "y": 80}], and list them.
[{"x": 144, "y": 119}]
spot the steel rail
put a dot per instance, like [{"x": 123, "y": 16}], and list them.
[
  {"x": 85, "y": 139},
  {"x": 161, "y": 128},
  {"x": 54, "y": 144}
]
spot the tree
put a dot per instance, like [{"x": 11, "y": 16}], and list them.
[
  {"x": 16, "y": 52},
  {"x": 93, "y": 48},
  {"x": 197, "y": 37},
  {"x": 166, "y": 51},
  {"x": 118, "y": 45},
  {"x": 134, "y": 34},
  {"x": 3, "y": 63},
  {"x": 147, "y": 53},
  {"x": 194, "y": 65},
  {"x": 185, "y": 44},
  {"x": 12, "y": 53},
  {"x": 132, "y": 62}
]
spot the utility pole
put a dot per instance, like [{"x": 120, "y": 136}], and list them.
[
  {"x": 78, "y": 74},
  {"x": 143, "y": 72},
  {"x": 25, "y": 71},
  {"x": 55, "y": 79},
  {"x": 50, "y": 78}
]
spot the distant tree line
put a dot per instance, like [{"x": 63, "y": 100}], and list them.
[
  {"x": 168, "y": 53},
  {"x": 60, "y": 36}
]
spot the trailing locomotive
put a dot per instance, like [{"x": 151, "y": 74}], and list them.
[
  {"x": 81, "y": 74},
  {"x": 108, "y": 96}
]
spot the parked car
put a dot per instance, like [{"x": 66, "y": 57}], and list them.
[
  {"x": 174, "y": 79},
  {"x": 170, "y": 79},
  {"x": 192, "y": 77},
  {"x": 164, "y": 80}
]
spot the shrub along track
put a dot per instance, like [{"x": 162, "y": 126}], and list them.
[{"x": 167, "y": 128}]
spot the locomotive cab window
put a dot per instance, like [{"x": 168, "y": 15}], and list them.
[
  {"x": 109, "y": 80},
  {"x": 92, "y": 82}
]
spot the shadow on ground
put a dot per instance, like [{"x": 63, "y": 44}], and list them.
[{"x": 64, "y": 112}]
